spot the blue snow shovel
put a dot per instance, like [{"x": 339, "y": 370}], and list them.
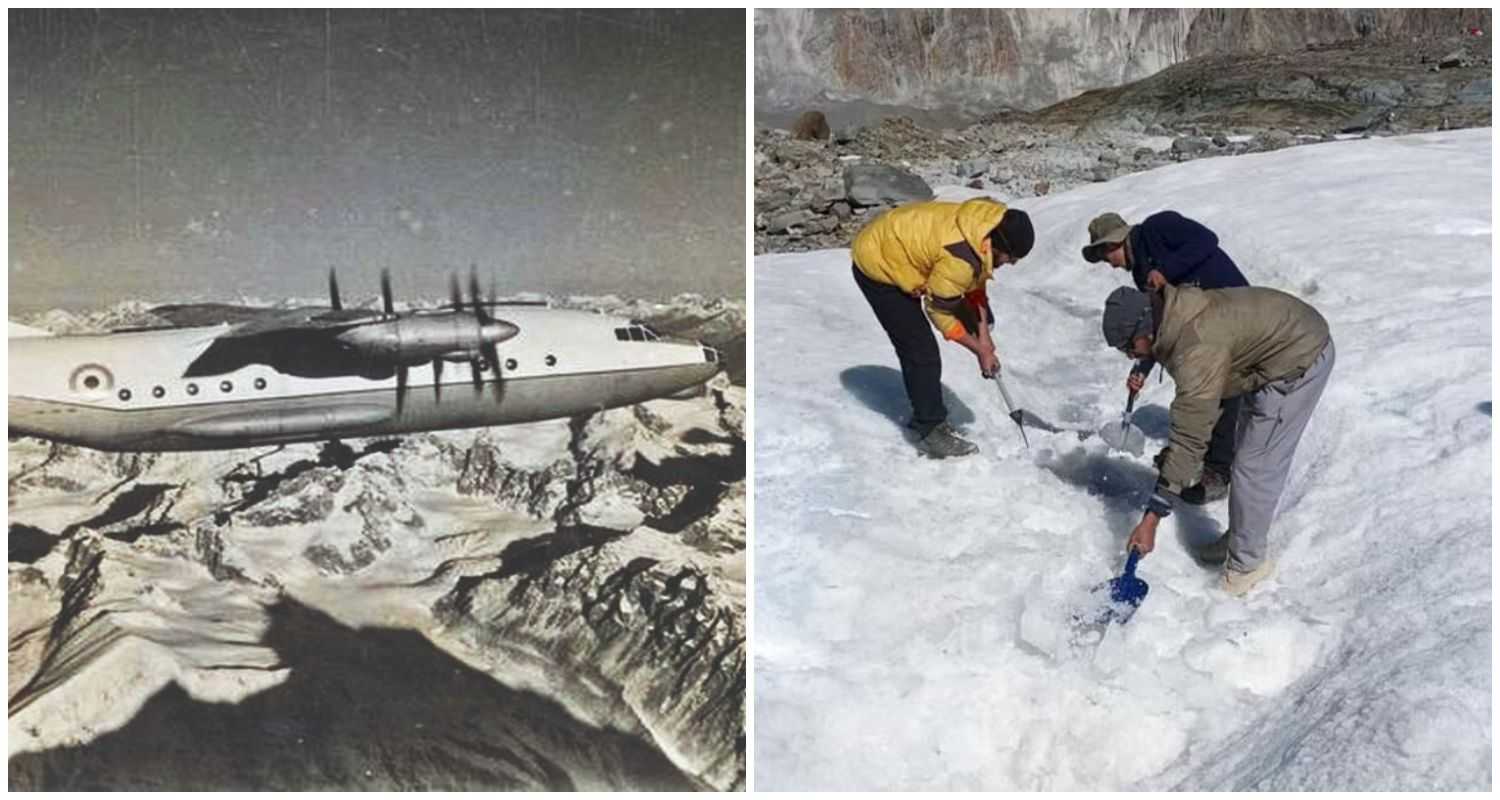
[{"x": 1117, "y": 599}]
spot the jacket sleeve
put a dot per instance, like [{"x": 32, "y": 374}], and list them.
[
  {"x": 979, "y": 300},
  {"x": 1178, "y": 243},
  {"x": 1195, "y": 410},
  {"x": 946, "y": 286}
]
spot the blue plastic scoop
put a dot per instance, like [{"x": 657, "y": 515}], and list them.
[{"x": 1115, "y": 600}]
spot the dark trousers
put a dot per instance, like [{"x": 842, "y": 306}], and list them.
[
  {"x": 1220, "y": 456},
  {"x": 916, "y": 348}
]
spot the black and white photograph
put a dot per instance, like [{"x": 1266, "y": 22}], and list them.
[{"x": 377, "y": 399}]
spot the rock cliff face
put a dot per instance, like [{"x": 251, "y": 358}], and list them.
[
  {"x": 818, "y": 194},
  {"x": 985, "y": 59},
  {"x": 549, "y": 606}
]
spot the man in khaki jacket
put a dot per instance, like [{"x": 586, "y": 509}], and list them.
[
  {"x": 941, "y": 254},
  {"x": 1263, "y": 344}
]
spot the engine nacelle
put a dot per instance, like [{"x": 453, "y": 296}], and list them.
[{"x": 422, "y": 338}]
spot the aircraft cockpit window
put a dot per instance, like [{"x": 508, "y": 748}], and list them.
[{"x": 636, "y": 333}]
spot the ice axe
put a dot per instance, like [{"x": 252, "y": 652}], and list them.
[
  {"x": 1124, "y": 440},
  {"x": 1125, "y": 417},
  {"x": 1015, "y": 413},
  {"x": 1116, "y": 599}
]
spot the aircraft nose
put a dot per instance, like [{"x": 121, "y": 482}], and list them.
[{"x": 498, "y": 330}]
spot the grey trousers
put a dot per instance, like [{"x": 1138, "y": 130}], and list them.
[{"x": 1271, "y": 422}]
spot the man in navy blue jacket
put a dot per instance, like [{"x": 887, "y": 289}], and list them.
[{"x": 1170, "y": 249}]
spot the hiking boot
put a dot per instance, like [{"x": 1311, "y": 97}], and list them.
[
  {"x": 1215, "y": 552},
  {"x": 944, "y": 442},
  {"x": 1213, "y": 486},
  {"x": 1238, "y": 583}
]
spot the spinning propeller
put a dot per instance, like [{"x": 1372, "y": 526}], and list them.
[
  {"x": 487, "y": 332},
  {"x": 400, "y": 341},
  {"x": 487, "y": 324}
]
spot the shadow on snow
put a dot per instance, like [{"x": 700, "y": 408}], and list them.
[{"x": 882, "y": 390}]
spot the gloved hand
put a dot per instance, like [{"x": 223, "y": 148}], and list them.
[{"x": 1161, "y": 458}]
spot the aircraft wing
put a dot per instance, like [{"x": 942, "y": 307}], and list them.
[
  {"x": 298, "y": 341},
  {"x": 246, "y": 321}
]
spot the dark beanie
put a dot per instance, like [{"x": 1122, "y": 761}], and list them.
[
  {"x": 1014, "y": 235},
  {"x": 1127, "y": 314}
]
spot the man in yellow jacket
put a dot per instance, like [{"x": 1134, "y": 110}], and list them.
[{"x": 941, "y": 255}]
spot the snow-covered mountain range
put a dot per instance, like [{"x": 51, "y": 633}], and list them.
[
  {"x": 911, "y": 625},
  {"x": 546, "y": 606}
]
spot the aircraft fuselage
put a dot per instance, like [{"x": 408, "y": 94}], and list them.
[{"x": 129, "y": 391}]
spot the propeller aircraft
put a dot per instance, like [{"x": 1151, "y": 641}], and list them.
[{"x": 225, "y": 376}]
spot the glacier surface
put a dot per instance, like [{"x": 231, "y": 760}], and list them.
[{"x": 910, "y": 614}]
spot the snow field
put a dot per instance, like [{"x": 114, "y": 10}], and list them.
[{"x": 910, "y": 627}]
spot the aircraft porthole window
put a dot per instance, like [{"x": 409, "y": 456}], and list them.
[
  {"x": 260, "y": 383},
  {"x": 510, "y": 363},
  {"x": 91, "y": 378},
  {"x": 551, "y": 361},
  {"x": 158, "y": 392},
  {"x": 192, "y": 388},
  {"x": 226, "y": 387},
  {"x": 124, "y": 394}
]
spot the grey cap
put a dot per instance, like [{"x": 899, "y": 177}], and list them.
[
  {"x": 1107, "y": 228},
  {"x": 1127, "y": 314}
]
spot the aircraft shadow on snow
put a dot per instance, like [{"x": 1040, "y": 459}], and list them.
[
  {"x": 371, "y": 708},
  {"x": 881, "y": 389}
]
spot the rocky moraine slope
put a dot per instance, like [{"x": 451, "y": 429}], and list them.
[{"x": 814, "y": 194}]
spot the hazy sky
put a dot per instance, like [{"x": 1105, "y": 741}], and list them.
[{"x": 207, "y": 154}]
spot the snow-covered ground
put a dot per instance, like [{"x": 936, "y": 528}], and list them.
[{"x": 911, "y": 614}]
